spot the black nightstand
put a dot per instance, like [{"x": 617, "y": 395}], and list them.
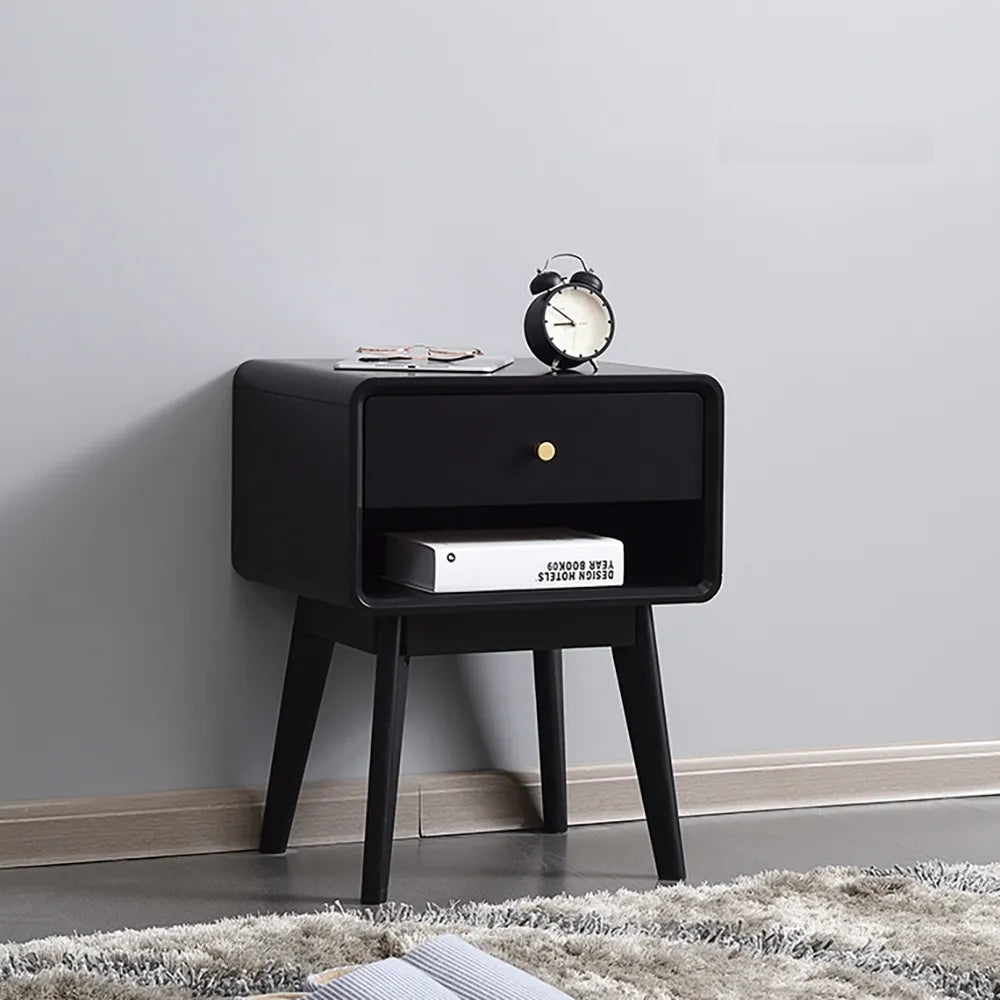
[{"x": 326, "y": 462}]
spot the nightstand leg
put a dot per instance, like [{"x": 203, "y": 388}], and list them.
[
  {"x": 305, "y": 677},
  {"x": 639, "y": 681},
  {"x": 551, "y": 737},
  {"x": 391, "y": 673}
]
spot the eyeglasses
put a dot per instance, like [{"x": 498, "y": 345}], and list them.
[{"x": 417, "y": 352}]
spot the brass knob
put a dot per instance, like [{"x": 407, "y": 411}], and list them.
[{"x": 546, "y": 451}]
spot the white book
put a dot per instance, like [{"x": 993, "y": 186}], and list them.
[{"x": 500, "y": 559}]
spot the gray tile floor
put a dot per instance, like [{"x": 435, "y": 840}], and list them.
[{"x": 35, "y": 902}]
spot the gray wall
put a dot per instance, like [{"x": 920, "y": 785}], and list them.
[{"x": 799, "y": 198}]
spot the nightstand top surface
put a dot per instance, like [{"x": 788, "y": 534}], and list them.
[{"x": 319, "y": 380}]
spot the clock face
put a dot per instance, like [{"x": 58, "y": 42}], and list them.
[{"x": 578, "y": 322}]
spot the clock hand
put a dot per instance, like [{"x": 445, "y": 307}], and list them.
[
  {"x": 561, "y": 313},
  {"x": 570, "y": 323}
]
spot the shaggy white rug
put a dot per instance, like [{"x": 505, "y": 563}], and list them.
[{"x": 844, "y": 933}]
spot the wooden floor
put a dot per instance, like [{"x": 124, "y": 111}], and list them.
[{"x": 35, "y": 902}]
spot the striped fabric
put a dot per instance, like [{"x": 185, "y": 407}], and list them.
[
  {"x": 445, "y": 968},
  {"x": 471, "y": 974},
  {"x": 390, "y": 978}
]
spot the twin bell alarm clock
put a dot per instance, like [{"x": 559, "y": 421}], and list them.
[{"x": 569, "y": 321}]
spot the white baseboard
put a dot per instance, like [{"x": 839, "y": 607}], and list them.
[{"x": 214, "y": 820}]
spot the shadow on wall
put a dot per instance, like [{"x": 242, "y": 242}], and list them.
[{"x": 133, "y": 657}]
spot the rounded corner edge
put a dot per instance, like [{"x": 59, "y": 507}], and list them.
[
  {"x": 241, "y": 370},
  {"x": 362, "y": 391},
  {"x": 708, "y": 589},
  {"x": 713, "y": 387}
]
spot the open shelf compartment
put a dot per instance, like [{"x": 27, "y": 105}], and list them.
[{"x": 665, "y": 552}]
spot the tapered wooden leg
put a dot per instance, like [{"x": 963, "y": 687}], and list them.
[
  {"x": 391, "y": 673},
  {"x": 305, "y": 677},
  {"x": 551, "y": 737},
  {"x": 638, "y": 670}
]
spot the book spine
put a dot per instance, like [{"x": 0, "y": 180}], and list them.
[{"x": 593, "y": 564}]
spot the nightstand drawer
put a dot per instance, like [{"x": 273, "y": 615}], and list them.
[{"x": 479, "y": 450}]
